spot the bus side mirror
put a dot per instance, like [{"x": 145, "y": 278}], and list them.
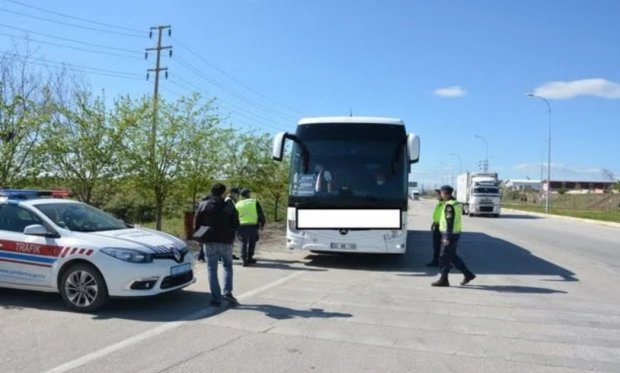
[
  {"x": 413, "y": 148},
  {"x": 277, "y": 153}
]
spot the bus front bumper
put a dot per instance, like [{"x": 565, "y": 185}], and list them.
[{"x": 381, "y": 243}]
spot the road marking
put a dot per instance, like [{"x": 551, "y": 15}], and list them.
[{"x": 81, "y": 361}]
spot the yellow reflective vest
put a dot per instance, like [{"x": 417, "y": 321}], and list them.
[
  {"x": 437, "y": 212},
  {"x": 248, "y": 212},
  {"x": 458, "y": 215}
]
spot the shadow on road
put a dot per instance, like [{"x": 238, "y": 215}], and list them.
[
  {"x": 289, "y": 265},
  {"x": 161, "y": 308},
  {"x": 484, "y": 254},
  {"x": 284, "y": 313},
  {"x": 514, "y": 289},
  {"x": 491, "y": 255}
]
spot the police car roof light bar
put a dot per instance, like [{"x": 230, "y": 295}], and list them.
[{"x": 24, "y": 194}]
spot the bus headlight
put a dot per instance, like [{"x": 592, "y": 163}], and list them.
[
  {"x": 292, "y": 226},
  {"x": 395, "y": 233}
]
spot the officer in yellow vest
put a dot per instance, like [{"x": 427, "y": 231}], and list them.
[
  {"x": 435, "y": 229},
  {"x": 450, "y": 226},
  {"x": 251, "y": 218}
]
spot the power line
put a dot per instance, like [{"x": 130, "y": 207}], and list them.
[
  {"x": 243, "y": 112},
  {"x": 231, "y": 92},
  {"x": 71, "y": 40},
  {"x": 75, "y": 18},
  {"x": 229, "y": 76},
  {"x": 61, "y": 66},
  {"x": 265, "y": 123},
  {"x": 78, "y": 67},
  {"x": 68, "y": 23},
  {"x": 69, "y": 46}
]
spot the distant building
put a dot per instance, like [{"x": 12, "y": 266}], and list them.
[
  {"x": 522, "y": 185},
  {"x": 579, "y": 187}
]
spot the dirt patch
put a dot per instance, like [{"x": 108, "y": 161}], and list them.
[{"x": 272, "y": 239}]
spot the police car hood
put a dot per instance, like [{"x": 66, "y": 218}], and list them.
[{"x": 145, "y": 240}]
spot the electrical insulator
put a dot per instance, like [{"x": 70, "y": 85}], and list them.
[
  {"x": 147, "y": 76},
  {"x": 151, "y": 34},
  {"x": 169, "y": 32},
  {"x": 170, "y": 53},
  {"x": 166, "y": 75},
  {"x": 146, "y": 55}
]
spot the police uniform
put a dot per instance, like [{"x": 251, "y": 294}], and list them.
[
  {"x": 436, "y": 233},
  {"x": 251, "y": 217},
  {"x": 450, "y": 226}
]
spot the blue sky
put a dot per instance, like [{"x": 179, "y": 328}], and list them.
[{"x": 450, "y": 69}]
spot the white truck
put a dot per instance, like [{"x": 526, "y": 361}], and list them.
[{"x": 479, "y": 193}]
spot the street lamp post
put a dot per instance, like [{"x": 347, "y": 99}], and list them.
[
  {"x": 460, "y": 162},
  {"x": 548, "y": 151},
  {"x": 486, "y": 158}
]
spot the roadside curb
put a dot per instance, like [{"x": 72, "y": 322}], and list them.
[{"x": 589, "y": 221}]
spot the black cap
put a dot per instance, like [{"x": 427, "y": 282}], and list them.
[
  {"x": 218, "y": 190},
  {"x": 245, "y": 192},
  {"x": 234, "y": 190},
  {"x": 447, "y": 189}
]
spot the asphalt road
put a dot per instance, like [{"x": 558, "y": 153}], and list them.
[{"x": 546, "y": 300}]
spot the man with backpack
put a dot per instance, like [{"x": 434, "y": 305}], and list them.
[{"x": 215, "y": 224}]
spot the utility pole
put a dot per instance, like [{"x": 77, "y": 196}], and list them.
[{"x": 157, "y": 69}]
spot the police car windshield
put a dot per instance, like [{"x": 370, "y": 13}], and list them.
[{"x": 79, "y": 217}]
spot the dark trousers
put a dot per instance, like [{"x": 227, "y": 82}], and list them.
[
  {"x": 248, "y": 235},
  {"x": 436, "y": 244},
  {"x": 448, "y": 256}
]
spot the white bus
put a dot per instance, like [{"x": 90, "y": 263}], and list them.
[{"x": 348, "y": 184}]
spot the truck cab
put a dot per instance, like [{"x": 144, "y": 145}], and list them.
[{"x": 479, "y": 194}]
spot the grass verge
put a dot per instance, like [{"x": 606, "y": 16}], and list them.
[{"x": 611, "y": 216}]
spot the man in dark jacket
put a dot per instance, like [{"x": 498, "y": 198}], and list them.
[
  {"x": 222, "y": 221},
  {"x": 233, "y": 197}
]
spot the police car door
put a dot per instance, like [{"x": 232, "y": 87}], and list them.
[{"x": 24, "y": 259}]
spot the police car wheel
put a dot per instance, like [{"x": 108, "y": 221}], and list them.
[{"x": 82, "y": 288}]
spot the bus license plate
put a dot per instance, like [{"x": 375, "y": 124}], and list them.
[
  {"x": 343, "y": 246},
  {"x": 180, "y": 269}
]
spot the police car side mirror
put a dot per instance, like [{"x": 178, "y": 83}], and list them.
[
  {"x": 37, "y": 230},
  {"x": 413, "y": 148}
]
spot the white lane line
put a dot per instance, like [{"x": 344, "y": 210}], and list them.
[{"x": 81, "y": 361}]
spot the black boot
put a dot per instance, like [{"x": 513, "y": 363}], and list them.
[
  {"x": 442, "y": 282},
  {"x": 468, "y": 278}
]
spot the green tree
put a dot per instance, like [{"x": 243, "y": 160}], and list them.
[
  {"x": 84, "y": 145},
  {"x": 24, "y": 112},
  {"x": 182, "y": 127}
]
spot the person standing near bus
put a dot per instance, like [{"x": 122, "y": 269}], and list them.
[
  {"x": 251, "y": 218},
  {"x": 233, "y": 197},
  {"x": 450, "y": 226},
  {"x": 435, "y": 229}
]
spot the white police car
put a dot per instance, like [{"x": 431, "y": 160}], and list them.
[{"x": 49, "y": 244}]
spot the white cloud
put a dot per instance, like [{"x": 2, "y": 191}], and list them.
[
  {"x": 452, "y": 91},
  {"x": 562, "y": 90}
]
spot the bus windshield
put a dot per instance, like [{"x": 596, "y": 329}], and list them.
[{"x": 350, "y": 165}]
